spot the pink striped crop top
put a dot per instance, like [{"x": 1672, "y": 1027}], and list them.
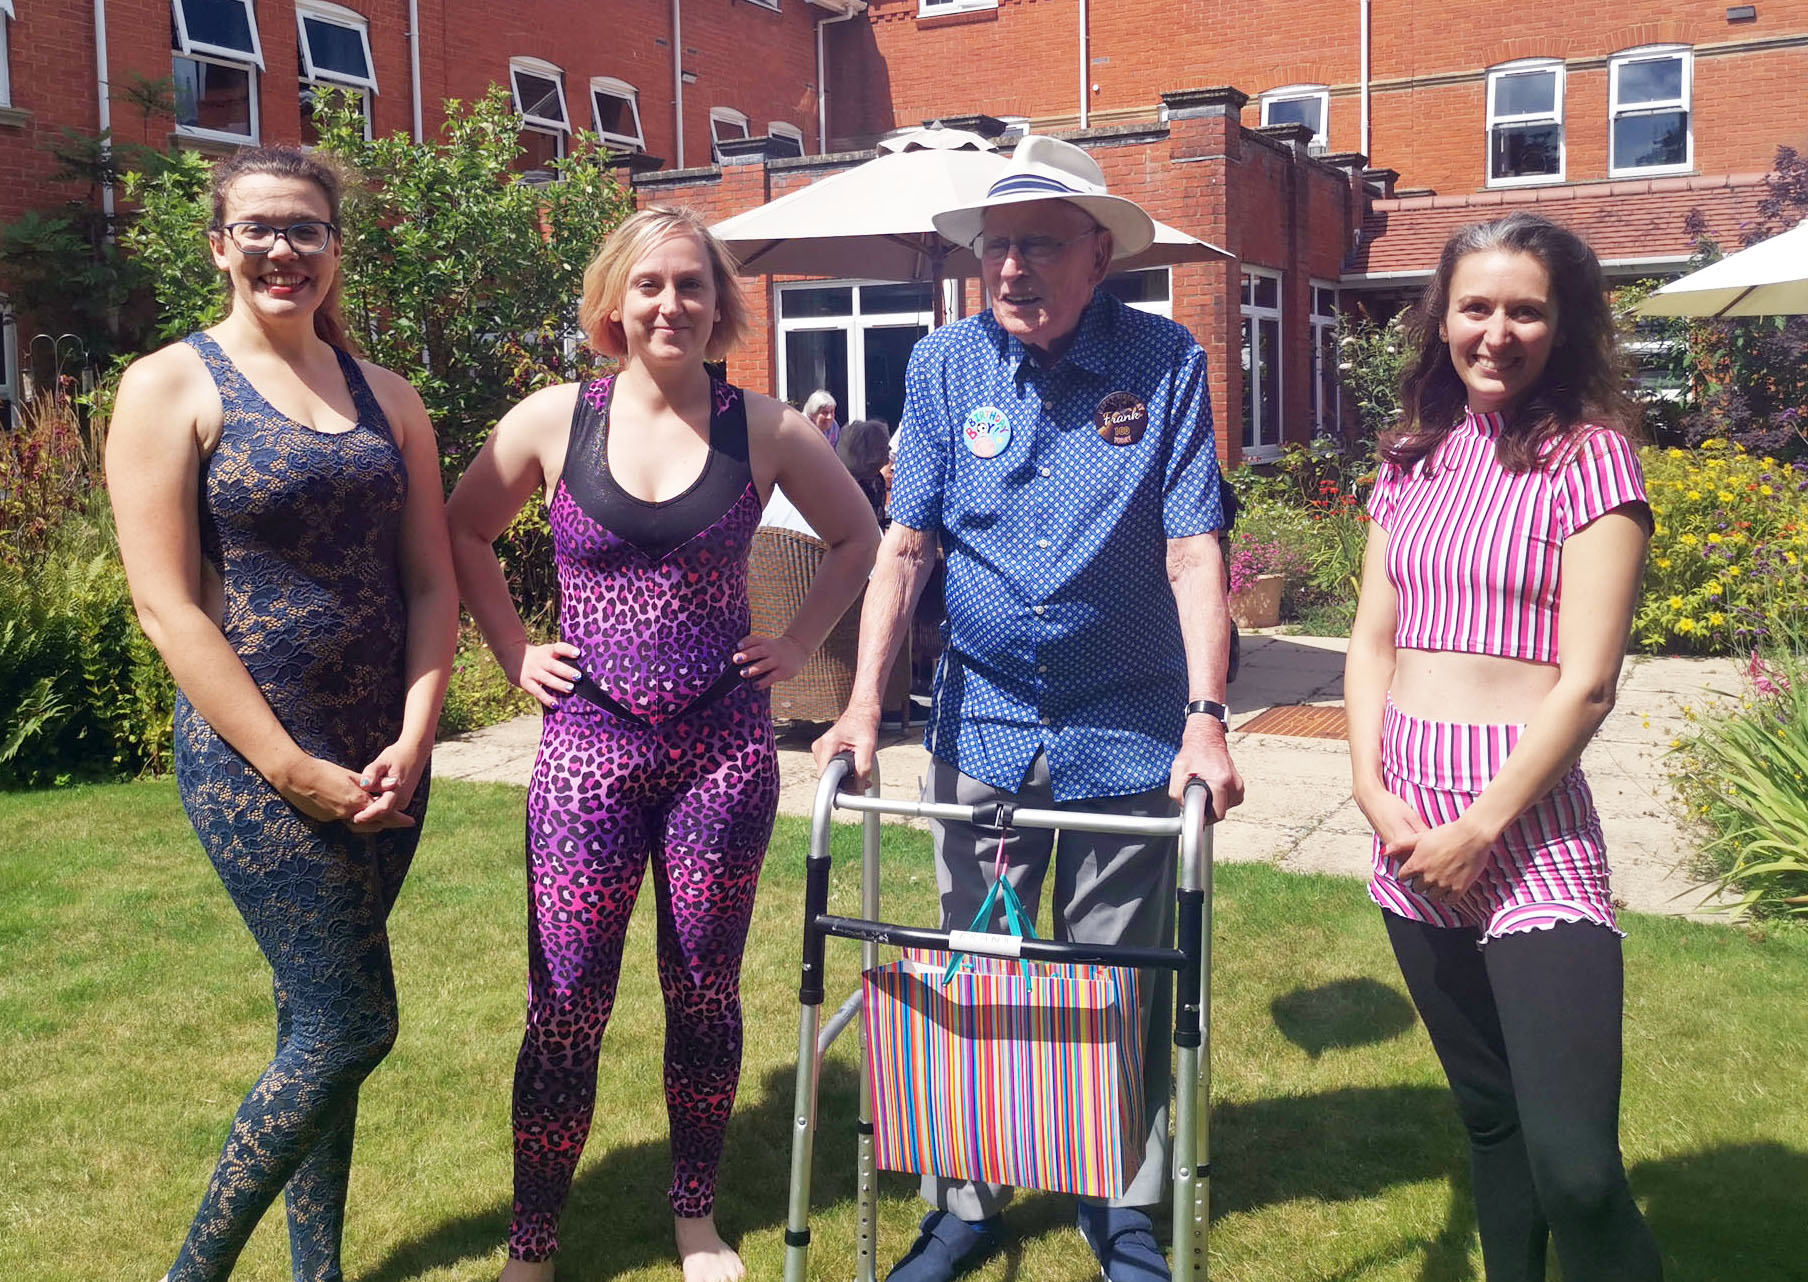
[{"x": 1473, "y": 550}]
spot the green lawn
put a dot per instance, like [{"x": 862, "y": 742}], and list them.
[{"x": 134, "y": 1011}]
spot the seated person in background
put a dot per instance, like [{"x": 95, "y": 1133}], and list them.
[
  {"x": 865, "y": 450},
  {"x": 819, "y": 408}
]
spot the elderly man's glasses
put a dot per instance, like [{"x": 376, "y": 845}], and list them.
[
  {"x": 1037, "y": 251},
  {"x": 310, "y": 237}
]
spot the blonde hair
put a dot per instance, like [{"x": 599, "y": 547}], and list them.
[{"x": 606, "y": 279}]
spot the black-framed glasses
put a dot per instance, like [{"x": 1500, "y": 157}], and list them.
[
  {"x": 1037, "y": 251},
  {"x": 310, "y": 237}
]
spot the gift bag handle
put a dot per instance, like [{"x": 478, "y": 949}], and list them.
[{"x": 1014, "y": 915}]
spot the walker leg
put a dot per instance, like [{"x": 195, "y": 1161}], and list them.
[{"x": 866, "y": 1181}]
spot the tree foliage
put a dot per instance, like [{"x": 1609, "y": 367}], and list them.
[{"x": 458, "y": 274}]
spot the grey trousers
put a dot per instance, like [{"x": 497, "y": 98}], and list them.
[{"x": 1108, "y": 889}]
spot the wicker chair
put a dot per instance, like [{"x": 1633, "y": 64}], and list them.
[{"x": 779, "y": 571}]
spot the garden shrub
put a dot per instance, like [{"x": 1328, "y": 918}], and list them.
[
  {"x": 1745, "y": 774},
  {"x": 1306, "y": 513},
  {"x": 479, "y": 694},
  {"x": 83, "y": 694},
  {"x": 1726, "y": 561}
]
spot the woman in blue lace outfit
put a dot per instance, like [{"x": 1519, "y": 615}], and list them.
[{"x": 280, "y": 517}]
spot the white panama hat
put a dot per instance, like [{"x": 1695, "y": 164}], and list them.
[{"x": 1043, "y": 168}]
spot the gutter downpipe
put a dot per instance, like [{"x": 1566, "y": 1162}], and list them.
[
  {"x": 103, "y": 78},
  {"x": 822, "y": 75},
  {"x": 414, "y": 64},
  {"x": 678, "y": 77},
  {"x": 1086, "y": 69},
  {"x": 1364, "y": 53}
]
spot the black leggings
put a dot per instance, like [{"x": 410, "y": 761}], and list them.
[{"x": 1528, "y": 1030}]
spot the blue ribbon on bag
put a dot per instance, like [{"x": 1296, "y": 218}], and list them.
[{"x": 1015, "y": 915}]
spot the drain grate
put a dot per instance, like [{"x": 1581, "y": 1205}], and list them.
[{"x": 1301, "y": 720}]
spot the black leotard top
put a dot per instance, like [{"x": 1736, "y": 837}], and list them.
[{"x": 656, "y": 528}]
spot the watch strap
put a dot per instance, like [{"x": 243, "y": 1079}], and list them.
[{"x": 1211, "y": 708}]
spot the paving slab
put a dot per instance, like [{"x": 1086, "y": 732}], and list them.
[{"x": 1298, "y": 812}]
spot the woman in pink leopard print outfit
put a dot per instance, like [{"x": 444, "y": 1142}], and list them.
[{"x": 657, "y": 740}]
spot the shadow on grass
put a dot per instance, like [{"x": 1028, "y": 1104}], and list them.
[
  {"x": 617, "y": 1218},
  {"x": 1341, "y": 1014},
  {"x": 1719, "y": 1214}
]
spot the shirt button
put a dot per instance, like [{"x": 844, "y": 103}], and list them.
[
  {"x": 1042, "y": 667},
  {"x": 1036, "y": 609},
  {"x": 1045, "y": 471},
  {"x": 1044, "y": 720},
  {"x": 1041, "y": 543}
]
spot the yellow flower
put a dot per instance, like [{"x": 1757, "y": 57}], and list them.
[
  {"x": 1675, "y": 453},
  {"x": 1713, "y": 538},
  {"x": 1715, "y": 619},
  {"x": 1712, "y": 587},
  {"x": 1723, "y": 496},
  {"x": 1690, "y": 539},
  {"x": 1663, "y": 562},
  {"x": 1790, "y": 557},
  {"x": 1765, "y": 490},
  {"x": 1685, "y": 625},
  {"x": 1694, "y": 494},
  {"x": 1733, "y": 571},
  {"x": 1676, "y": 603}
]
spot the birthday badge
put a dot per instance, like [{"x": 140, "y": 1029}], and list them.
[{"x": 987, "y": 432}]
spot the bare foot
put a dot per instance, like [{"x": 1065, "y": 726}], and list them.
[
  {"x": 702, "y": 1253},
  {"x": 524, "y": 1271}
]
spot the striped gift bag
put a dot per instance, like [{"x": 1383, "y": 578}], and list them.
[{"x": 1019, "y": 1073}]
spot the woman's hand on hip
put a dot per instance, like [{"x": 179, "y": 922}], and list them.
[
  {"x": 541, "y": 671},
  {"x": 766, "y": 661}
]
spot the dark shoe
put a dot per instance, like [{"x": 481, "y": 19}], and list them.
[
  {"x": 1123, "y": 1237},
  {"x": 947, "y": 1247}
]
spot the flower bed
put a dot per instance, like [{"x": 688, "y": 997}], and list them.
[{"x": 1726, "y": 561}]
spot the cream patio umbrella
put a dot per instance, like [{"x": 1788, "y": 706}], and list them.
[
  {"x": 1768, "y": 279},
  {"x": 874, "y": 220}
]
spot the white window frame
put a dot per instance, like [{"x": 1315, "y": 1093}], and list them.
[
  {"x": 313, "y": 77},
  {"x": 1261, "y": 449},
  {"x": 726, "y": 116},
  {"x": 621, "y": 89},
  {"x": 1163, "y": 306},
  {"x": 936, "y": 8},
  {"x": 1323, "y": 329},
  {"x": 785, "y": 129},
  {"x": 1554, "y": 116},
  {"x": 221, "y": 135},
  {"x": 852, "y": 326},
  {"x": 6, "y": 75},
  {"x": 1683, "y": 103},
  {"x": 558, "y": 130},
  {"x": 765, "y": 4},
  {"x": 202, "y": 52},
  {"x": 9, "y": 361},
  {"x": 1293, "y": 93}
]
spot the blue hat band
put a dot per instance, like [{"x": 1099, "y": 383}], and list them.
[{"x": 1013, "y": 183}]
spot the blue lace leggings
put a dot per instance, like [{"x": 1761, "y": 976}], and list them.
[{"x": 317, "y": 899}]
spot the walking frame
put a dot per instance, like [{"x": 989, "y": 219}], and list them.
[{"x": 1192, "y": 998}]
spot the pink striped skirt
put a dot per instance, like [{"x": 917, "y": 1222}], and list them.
[{"x": 1549, "y": 866}]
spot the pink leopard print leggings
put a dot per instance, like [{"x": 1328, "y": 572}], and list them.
[{"x": 695, "y": 793}]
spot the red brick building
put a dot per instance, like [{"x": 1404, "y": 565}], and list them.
[{"x": 1357, "y": 135}]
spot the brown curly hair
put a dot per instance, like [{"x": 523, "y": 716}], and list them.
[{"x": 1583, "y": 383}]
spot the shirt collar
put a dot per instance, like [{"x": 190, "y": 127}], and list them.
[
  {"x": 1487, "y": 426},
  {"x": 1090, "y": 349}
]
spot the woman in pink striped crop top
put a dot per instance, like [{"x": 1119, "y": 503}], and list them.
[{"x": 1503, "y": 564}]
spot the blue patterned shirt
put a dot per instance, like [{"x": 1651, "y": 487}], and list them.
[{"x": 1053, "y": 493}]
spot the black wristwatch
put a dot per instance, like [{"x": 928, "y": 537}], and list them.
[{"x": 1211, "y": 708}]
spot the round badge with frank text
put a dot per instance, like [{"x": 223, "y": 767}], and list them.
[
  {"x": 1122, "y": 418},
  {"x": 987, "y": 432}
]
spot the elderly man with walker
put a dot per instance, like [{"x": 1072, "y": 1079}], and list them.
[{"x": 1058, "y": 451}]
